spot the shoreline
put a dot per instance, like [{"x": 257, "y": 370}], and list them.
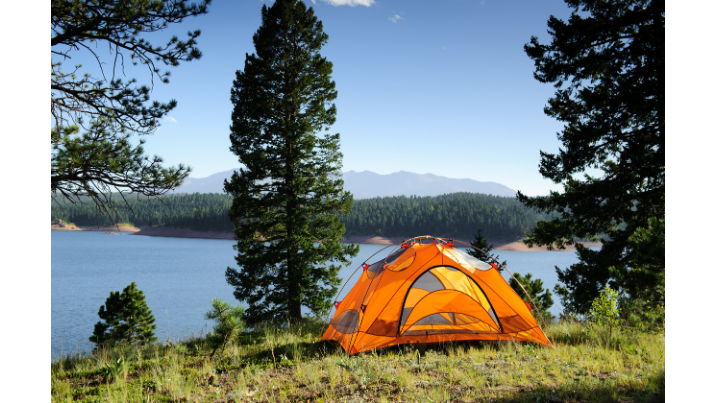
[
  {"x": 499, "y": 245},
  {"x": 121, "y": 228}
]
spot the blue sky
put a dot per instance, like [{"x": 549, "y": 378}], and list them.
[
  {"x": 396, "y": 94},
  {"x": 423, "y": 86}
]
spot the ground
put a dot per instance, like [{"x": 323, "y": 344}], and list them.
[{"x": 282, "y": 365}]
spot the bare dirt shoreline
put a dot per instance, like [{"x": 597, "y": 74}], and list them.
[
  {"x": 65, "y": 227},
  {"x": 513, "y": 245}
]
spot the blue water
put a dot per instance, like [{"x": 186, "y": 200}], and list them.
[{"x": 179, "y": 277}]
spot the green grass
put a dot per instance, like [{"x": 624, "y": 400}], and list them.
[{"x": 282, "y": 365}]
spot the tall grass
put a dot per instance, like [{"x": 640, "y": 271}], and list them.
[{"x": 282, "y": 364}]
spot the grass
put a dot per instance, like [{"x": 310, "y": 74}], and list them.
[{"x": 281, "y": 365}]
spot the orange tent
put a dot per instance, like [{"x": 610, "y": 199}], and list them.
[{"x": 428, "y": 291}]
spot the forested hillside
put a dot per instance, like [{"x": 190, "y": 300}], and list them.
[
  {"x": 199, "y": 211},
  {"x": 453, "y": 215}
]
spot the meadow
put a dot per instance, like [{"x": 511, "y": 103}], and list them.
[{"x": 272, "y": 364}]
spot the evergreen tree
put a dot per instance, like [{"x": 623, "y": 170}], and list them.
[
  {"x": 125, "y": 318},
  {"x": 108, "y": 110},
  {"x": 607, "y": 63},
  {"x": 288, "y": 198},
  {"x": 645, "y": 282},
  {"x": 480, "y": 242}
]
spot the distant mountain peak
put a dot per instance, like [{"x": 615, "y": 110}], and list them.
[{"x": 368, "y": 184}]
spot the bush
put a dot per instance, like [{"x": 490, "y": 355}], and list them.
[
  {"x": 126, "y": 318},
  {"x": 643, "y": 315},
  {"x": 605, "y": 309}
]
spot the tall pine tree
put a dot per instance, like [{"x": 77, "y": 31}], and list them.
[
  {"x": 607, "y": 63},
  {"x": 289, "y": 196}
]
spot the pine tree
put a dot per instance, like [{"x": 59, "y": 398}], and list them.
[
  {"x": 645, "y": 283},
  {"x": 228, "y": 324},
  {"x": 126, "y": 318},
  {"x": 289, "y": 196},
  {"x": 480, "y": 242},
  {"x": 94, "y": 117},
  {"x": 541, "y": 297},
  {"x": 607, "y": 63}
]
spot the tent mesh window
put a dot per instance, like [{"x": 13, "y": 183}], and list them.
[
  {"x": 444, "y": 300},
  {"x": 472, "y": 260},
  {"x": 376, "y": 268},
  {"x": 347, "y": 322},
  {"x": 403, "y": 261}
]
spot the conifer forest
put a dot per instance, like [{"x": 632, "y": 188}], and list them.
[{"x": 451, "y": 215}]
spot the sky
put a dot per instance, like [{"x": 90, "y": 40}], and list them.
[
  {"x": 400, "y": 94},
  {"x": 423, "y": 88}
]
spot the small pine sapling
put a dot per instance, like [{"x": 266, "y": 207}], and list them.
[
  {"x": 228, "y": 326},
  {"x": 126, "y": 317}
]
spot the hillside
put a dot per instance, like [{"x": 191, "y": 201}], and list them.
[{"x": 456, "y": 215}]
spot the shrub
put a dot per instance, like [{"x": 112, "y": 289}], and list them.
[
  {"x": 126, "y": 318},
  {"x": 642, "y": 315},
  {"x": 605, "y": 310}
]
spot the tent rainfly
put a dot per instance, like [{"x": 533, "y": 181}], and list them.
[{"x": 428, "y": 291}]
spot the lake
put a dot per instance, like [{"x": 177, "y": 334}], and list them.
[{"x": 179, "y": 277}]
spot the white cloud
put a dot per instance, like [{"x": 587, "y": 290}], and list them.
[
  {"x": 171, "y": 119},
  {"x": 395, "y": 18},
  {"x": 351, "y": 3}
]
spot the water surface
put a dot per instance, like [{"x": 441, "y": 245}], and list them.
[{"x": 179, "y": 277}]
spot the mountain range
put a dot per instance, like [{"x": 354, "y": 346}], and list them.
[{"x": 366, "y": 184}]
